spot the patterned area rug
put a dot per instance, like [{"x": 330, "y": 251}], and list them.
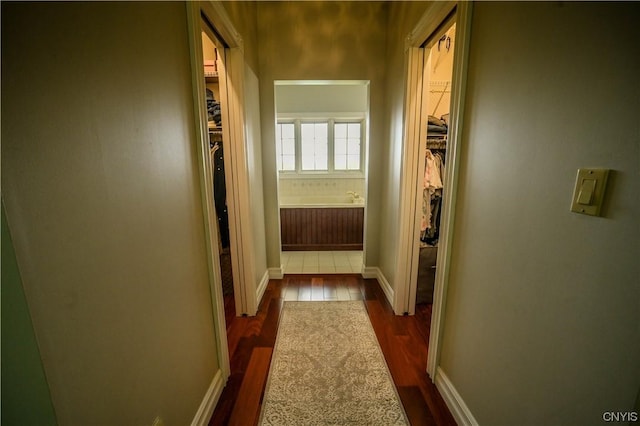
[{"x": 328, "y": 369}]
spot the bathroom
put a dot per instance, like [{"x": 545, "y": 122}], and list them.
[{"x": 321, "y": 148}]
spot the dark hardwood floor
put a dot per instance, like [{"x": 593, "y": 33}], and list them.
[{"x": 403, "y": 340}]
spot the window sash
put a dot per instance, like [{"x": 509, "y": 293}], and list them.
[
  {"x": 321, "y": 146},
  {"x": 347, "y": 146},
  {"x": 286, "y": 146},
  {"x": 314, "y": 146}
]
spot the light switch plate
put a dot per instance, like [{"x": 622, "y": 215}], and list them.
[{"x": 587, "y": 196}]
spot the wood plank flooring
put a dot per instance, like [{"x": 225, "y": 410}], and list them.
[{"x": 403, "y": 340}]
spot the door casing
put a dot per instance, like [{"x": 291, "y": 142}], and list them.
[
  {"x": 415, "y": 101},
  {"x": 231, "y": 78}
]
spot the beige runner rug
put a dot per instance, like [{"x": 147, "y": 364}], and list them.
[{"x": 328, "y": 369}]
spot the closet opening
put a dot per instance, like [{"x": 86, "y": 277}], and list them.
[
  {"x": 321, "y": 155},
  {"x": 427, "y": 223},
  {"x": 213, "y": 55},
  {"x": 438, "y": 74}
]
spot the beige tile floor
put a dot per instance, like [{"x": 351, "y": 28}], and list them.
[{"x": 321, "y": 262}]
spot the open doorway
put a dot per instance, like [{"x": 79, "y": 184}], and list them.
[
  {"x": 435, "y": 26},
  {"x": 438, "y": 75},
  {"x": 321, "y": 155},
  {"x": 211, "y": 54}
]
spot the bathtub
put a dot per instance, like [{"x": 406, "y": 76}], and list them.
[
  {"x": 321, "y": 223},
  {"x": 320, "y": 201}
]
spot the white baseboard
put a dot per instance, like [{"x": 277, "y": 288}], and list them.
[
  {"x": 205, "y": 411},
  {"x": 262, "y": 286},
  {"x": 375, "y": 272},
  {"x": 454, "y": 401},
  {"x": 369, "y": 272},
  {"x": 276, "y": 273}
]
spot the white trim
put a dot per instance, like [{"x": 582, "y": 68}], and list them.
[
  {"x": 412, "y": 121},
  {"x": 386, "y": 287},
  {"x": 217, "y": 15},
  {"x": 231, "y": 80},
  {"x": 437, "y": 12},
  {"x": 331, "y": 121},
  {"x": 206, "y": 187},
  {"x": 262, "y": 286},
  {"x": 237, "y": 182},
  {"x": 412, "y": 151},
  {"x": 420, "y": 149},
  {"x": 231, "y": 175},
  {"x": 452, "y": 171},
  {"x": 369, "y": 272},
  {"x": 276, "y": 273},
  {"x": 454, "y": 401},
  {"x": 208, "y": 404},
  {"x": 434, "y": 16}
]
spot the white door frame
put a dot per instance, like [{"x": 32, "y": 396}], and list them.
[
  {"x": 405, "y": 291},
  {"x": 232, "y": 92},
  {"x": 231, "y": 78}
]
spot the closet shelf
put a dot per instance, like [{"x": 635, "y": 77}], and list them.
[
  {"x": 215, "y": 133},
  {"x": 437, "y": 143}
]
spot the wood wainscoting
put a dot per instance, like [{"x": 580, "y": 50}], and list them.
[{"x": 330, "y": 228}]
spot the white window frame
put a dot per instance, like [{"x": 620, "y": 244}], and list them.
[
  {"x": 333, "y": 142},
  {"x": 331, "y": 172},
  {"x": 296, "y": 148},
  {"x": 298, "y": 132}
]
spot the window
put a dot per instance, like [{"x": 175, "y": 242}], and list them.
[
  {"x": 346, "y": 146},
  {"x": 314, "y": 142},
  {"x": 319, "y": 146},
  {"x": 286, "y": 146}
]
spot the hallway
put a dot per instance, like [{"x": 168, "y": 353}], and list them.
[
  {"x": 403, "y": 341},
  {"x": 109, "y": 309}
]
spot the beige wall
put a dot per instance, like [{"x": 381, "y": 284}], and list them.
[
  {"x": 402, "y": 18},
  {"x": 100, "y": 181},
  {"x": 322, "y": 97},
  {"x": 254, "y": 160},
  {"x": 243, "y": 14},
  {"x": 322, "y": 41},
  {"x": 543, "y": 306}
]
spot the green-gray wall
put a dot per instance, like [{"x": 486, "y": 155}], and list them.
[
  {"x": 543, "y": 310},
  {"x": 25, "y": 392},
  {"x": 101, "y": 186}
]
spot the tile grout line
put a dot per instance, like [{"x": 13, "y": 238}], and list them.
[{"x": 322, "y": 262}]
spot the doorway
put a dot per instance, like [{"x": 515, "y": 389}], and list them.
[
  {"x": 212, "y": 19},
  {"x": 433, "y": 25},
  {"x": 232, "y": 199},
  {"x": 321, "y": 156},
  {"x": 436, "y": 118},
  {"x": 212, "y": 54}
]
